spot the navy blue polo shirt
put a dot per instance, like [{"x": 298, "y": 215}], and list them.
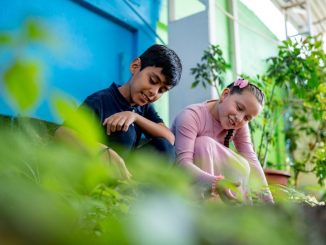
[{"x": 107, "y": 102}]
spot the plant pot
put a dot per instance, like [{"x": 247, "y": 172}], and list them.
[{"x": 277, "y": 176}]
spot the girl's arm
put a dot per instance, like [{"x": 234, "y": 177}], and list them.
[
  {"x": 258, "y": 180},
  {"x": 186, "y": 129}
]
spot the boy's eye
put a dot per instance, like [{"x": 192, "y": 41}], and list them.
[
  {"x": 152, "y": 81},
  {"x": 162, "y": 90}
]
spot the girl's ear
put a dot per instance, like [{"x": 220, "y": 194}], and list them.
[
  {"x": 226, "y": 92},
  {"x": 135, "y": 65}
]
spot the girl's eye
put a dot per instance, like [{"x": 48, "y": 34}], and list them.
[
  {"x": 152, "y": 81},
  {"x": 247, "y": 118},
  {"x": 239, "y": 108}
]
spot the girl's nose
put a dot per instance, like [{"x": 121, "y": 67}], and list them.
[{"x": 239, "y": 118}]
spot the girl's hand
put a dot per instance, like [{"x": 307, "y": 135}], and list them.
[
  {"x": 119, "y": 121},
  {"x": 228, "y": 191}
]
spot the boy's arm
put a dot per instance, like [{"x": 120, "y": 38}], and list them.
[
  {"x": 122, "y": 120},
  {"x": 155, "y": 129}
]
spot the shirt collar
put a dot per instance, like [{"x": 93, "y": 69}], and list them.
[{"x": 119, "y": 97}]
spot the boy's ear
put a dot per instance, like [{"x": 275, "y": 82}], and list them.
[
  {"x": 135, "y": 65},
  {"x": 225, "y": 93}
]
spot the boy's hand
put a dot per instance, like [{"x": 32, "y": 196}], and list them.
[{"x": 119, "y": 121}]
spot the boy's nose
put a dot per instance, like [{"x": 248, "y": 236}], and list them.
[{"x": 153, "y": 92}]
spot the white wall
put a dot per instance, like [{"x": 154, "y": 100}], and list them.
[{"x": 189, "y": 37}]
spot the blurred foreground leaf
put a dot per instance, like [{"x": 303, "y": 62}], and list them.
[
  {"x": 81, "y": 120},
  {"x": 35, "y": 31},
  {"x": 22, "y": 82},
  {"x": 55, "y": 194},
  {"x": 5, "y": 39}
]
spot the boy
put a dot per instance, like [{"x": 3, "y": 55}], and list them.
[{"x": 126, "y": 112}]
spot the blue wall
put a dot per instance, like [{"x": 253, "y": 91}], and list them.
[{"x": 93, "y": 45}]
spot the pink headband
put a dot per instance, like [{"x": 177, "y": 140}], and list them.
[{"x": 241, "y": 83}]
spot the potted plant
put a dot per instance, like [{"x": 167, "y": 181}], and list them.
[
  {"x": 268, "y": 127},
  {"x": 298, "y": 73}
]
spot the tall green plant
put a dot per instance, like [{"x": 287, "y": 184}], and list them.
[
  {"x": 271, "y": 118},
  {"x": 299, "y": 73}
]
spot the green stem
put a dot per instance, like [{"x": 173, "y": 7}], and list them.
[
  {"x": 216, "y": 87},
  {"x": 263, "y": 131}
]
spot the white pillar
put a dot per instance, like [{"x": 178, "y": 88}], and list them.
[
  {"x": 309, "y": 19},
  {"x": 189, "y": 37},
  {"x": 235, "y": 39}
]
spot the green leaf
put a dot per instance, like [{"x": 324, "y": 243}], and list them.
[
  {"x": 35, "y": 31},
  {"x": 194, "y": 84},
  {"x": 81, "y": 120},
  {"x": 22, "y": 81},
  {"x": 5, "y": 39}
]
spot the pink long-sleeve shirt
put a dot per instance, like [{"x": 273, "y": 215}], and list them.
[{"x": 195, "y": 121}]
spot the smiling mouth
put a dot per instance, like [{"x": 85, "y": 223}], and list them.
[
  {"x": 232, "y": 123},
  {"x": 147, "y": 100}
]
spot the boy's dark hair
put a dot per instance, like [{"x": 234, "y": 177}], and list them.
[
  {"x": 164, "y": 57},
  {"x": 257, "y": 92}
]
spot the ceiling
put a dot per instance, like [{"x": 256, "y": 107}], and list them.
[{"x": 297, "y": 12}]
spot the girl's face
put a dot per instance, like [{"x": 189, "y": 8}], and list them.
[{"x": 236, "y": 110}]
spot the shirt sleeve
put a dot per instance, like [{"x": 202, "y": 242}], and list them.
[
  {"x": 186, "y": 128},
  {"x": 151, "y": 114},
  {"x": 243, "y": 144}
]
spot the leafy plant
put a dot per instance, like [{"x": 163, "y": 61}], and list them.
[
  {"x": 298, "y": 73},
  {"x": 211, "y": 70},
  {"x": 46, "y": 184},
  {"x": 283, "y": 193},
  {"x": 22, "y": 76},
  {"x": 270, "y": 119}
]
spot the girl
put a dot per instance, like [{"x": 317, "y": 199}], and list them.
[{"x": 203, "y": 133}]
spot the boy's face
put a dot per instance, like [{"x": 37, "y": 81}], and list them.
[{"x": 147, "y": 85}]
